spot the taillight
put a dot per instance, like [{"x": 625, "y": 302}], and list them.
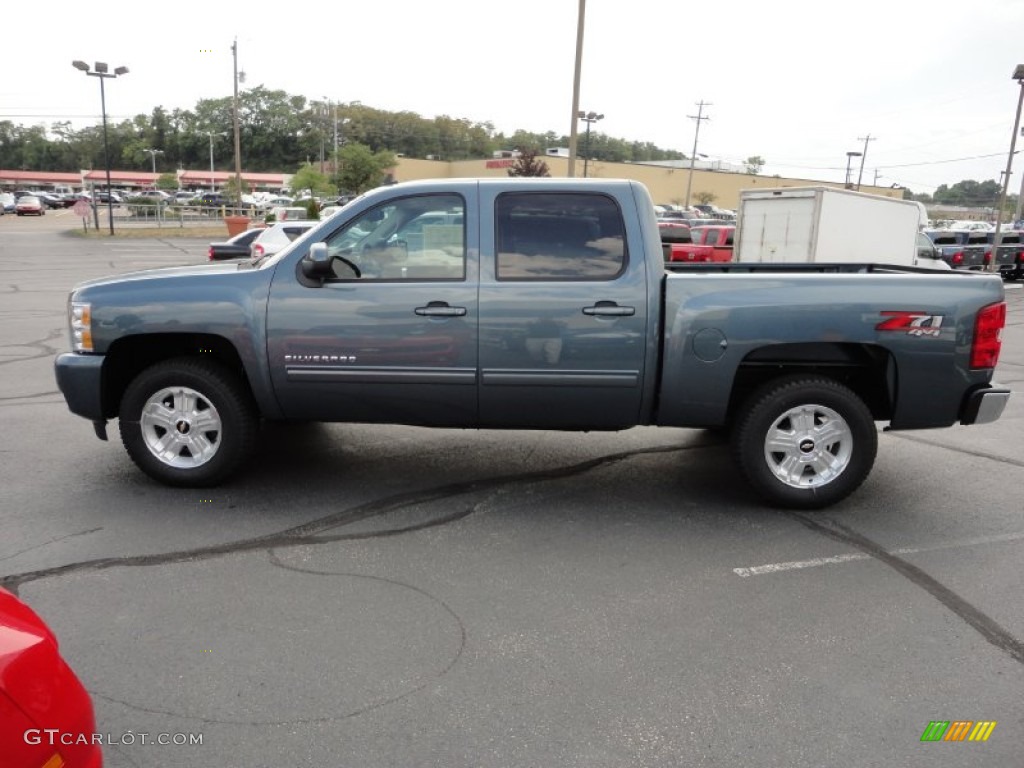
[
  {"x": 257, "y": 251},
  {"x": 209, "y": 254},
  {"x": 988, "y": 326},
  {"x": 958, "y": 257},
  {"x": 988, "y": 256}
]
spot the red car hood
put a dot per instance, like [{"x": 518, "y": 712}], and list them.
[{"x": 39, "y": 691}]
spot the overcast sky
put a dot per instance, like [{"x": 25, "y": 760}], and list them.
[{"x": 798, "y": 83}]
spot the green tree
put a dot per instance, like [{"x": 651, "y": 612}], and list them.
[
  {"x": 167, "y": 181},
  {"x": 308, "y": 178},
  {"x": 705, "y": 197},
  {"x": 754, "y": 164},
  {"x": 360, "y": 169},
  {"x": 233, "y": 190},
  {"x": 969, "y": 193},
  {"x": 527, "y": 164}
]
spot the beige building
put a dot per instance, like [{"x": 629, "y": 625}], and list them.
[{"x": 667, "y": 184}]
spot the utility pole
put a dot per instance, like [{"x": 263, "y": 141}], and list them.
[
  {"x": 1018, "y": 75},
  {"x": 693, "y": 156},
  {"x": 574, "y": 129},
  {"x": 238, "y": 135},
  {"x": 1020, "y": 197},
  {"x": 334, "y": 106},
  {"x": 863, "y": 156},
  {"x": 877, "y": 177}
]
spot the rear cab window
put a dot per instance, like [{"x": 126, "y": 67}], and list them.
[{"x": 558, "y": 236}]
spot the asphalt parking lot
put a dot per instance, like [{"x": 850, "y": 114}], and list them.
[{"x": 391, "y": 596}]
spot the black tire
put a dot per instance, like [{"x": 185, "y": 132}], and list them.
[
  {"x": 826, "y": 438},
  {"x": 187, "y": 422}
]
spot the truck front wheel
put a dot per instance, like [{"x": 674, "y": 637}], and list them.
[
  {"x": 805, "y": 442},
  {"x": 187, "y": 422}
]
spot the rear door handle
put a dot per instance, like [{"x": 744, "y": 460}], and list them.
[
  {"x": 440, "y": 309},
  {"x": 609, "y": 309}
]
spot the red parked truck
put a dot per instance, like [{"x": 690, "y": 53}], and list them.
[{"x": 711, "y": 242}]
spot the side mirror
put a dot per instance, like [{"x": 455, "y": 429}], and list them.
[{"x": 316, "y": 265}]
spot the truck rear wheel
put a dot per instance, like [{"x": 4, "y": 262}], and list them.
[
  {"x": 187, "y": 422},
  {"x": 805, "y": 442}
]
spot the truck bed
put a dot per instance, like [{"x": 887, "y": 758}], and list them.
[{"x": 802, "y": 267}]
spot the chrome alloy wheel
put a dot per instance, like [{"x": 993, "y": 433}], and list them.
[
  {"x": 808, "y": 446},
  {"x": 180, "y": 427}
]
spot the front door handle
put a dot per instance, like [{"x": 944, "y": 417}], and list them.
[
  {"x": 609, "y": 309},
  {"x": 440, "y": 309}
]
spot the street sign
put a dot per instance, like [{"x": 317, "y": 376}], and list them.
[{"x": 81, "y": 208}]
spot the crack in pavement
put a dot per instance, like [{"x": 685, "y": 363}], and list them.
[
  {"x": 175, "y": 246},
  {"x": 50, "y": 541},
  {"x": 30, "y": 397},
  {"x": 311, "y": 533},
  {"x": 993, "y": 632},
  {"x": 275, "y": 561},
  {"x": 976, "y": 453},
  {"x": 44, "y": 350}
]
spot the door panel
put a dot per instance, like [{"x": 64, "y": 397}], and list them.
[
  {"x": 398, "y": 342},
  {"x": 563, "y": 313}
]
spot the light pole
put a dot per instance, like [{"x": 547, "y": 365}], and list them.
[
  {"x": 100, "y": 70},
  {"x": 153, "y": 153},
  {"x": 849, "y": 157},
  {"x": 213, "y": 183},
  {"x": 237, "y": 127},
  {"x": 1018, "y": 75},
  {"x": 588, "y": 118},
  {"x": 334, "y": 108}
]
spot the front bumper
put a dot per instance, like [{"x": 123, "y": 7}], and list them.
[
  {"x": 984, "y": 405},
  {"x": 80, "y": 379}
]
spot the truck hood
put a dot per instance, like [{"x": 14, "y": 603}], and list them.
[{"x": 167, "y": 272}]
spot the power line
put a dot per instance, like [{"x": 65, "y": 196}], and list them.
[{"x": 954, "y": 160}]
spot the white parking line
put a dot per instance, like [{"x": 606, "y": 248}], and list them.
[{"x": 817, "y": 562}]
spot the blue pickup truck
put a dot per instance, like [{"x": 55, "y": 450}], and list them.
[{"x": 531, "y": 304}]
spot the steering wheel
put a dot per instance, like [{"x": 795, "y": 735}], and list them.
[
  {"x": 369, "y": 258},
  {"x": 350, "y": 264}
]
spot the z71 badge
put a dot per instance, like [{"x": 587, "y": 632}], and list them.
[{"x": 913, "y": 323}]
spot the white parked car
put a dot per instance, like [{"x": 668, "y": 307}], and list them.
[
  {"x": 972, "y": 226},
  {"x": 270, "y": 202},
  {"x": 278, "y": 235},
  {"x": 289, "y": 213}
]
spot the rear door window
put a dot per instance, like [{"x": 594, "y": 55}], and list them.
[{"x": 544, "y": 236}]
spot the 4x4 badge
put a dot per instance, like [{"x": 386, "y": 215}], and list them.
[{"x": 913, "y": 323}]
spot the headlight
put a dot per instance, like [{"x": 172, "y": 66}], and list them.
[{"x": 81, "y": 327}]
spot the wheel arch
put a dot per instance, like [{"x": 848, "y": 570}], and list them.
[
  {"x": 866, "y": 369},
  {"x": 128, "y": 356}
]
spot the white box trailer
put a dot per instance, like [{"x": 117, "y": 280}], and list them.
[{"x": 825, "y": 224}]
